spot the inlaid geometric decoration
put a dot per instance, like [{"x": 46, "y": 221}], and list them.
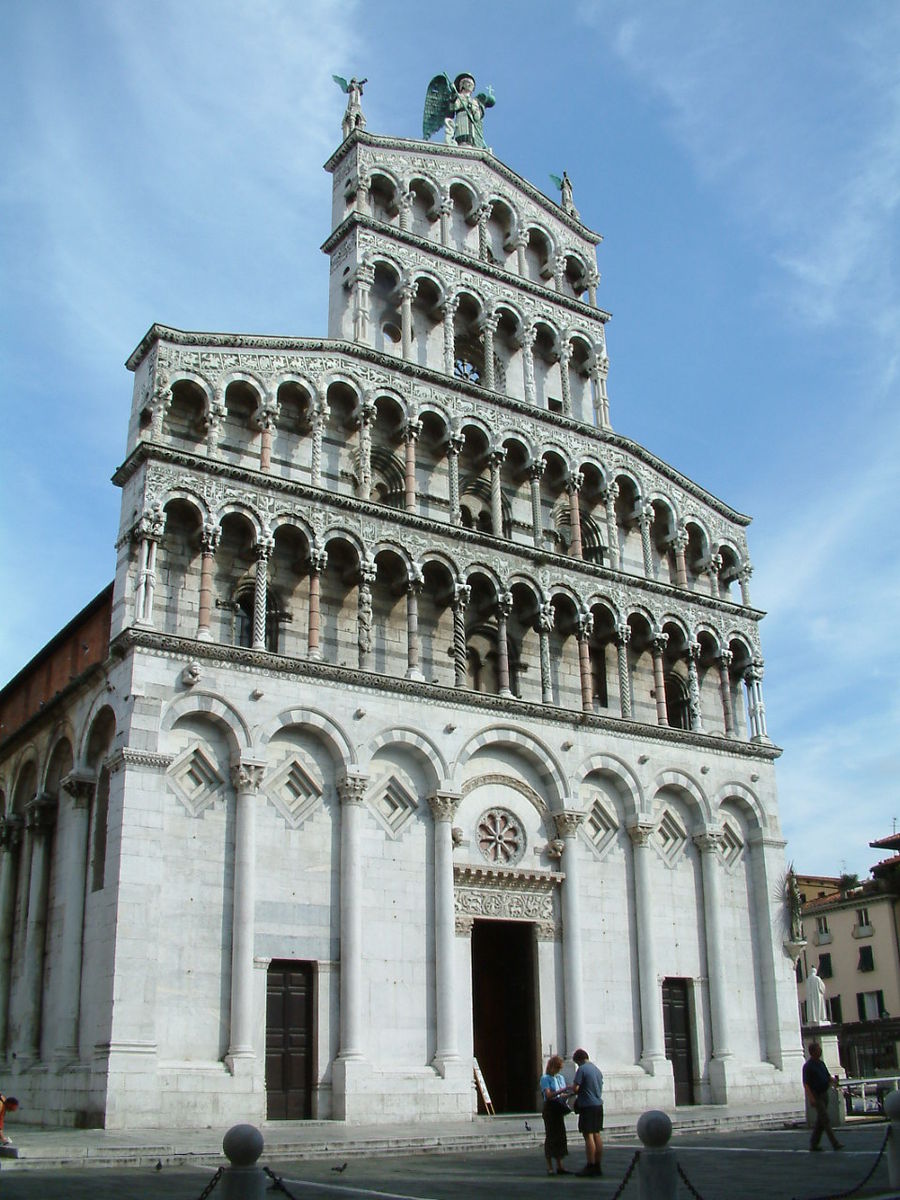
[
  {"x": 393, "y": 804},
  {"x": 670, "y": 837},
  {"x": 195, "y": 781},
  {"x": 294, "y": 791},
  {"x": 731, "y": 846},
  {"x": 600, "y": 827},
  {"x": 500, "y": 836}
]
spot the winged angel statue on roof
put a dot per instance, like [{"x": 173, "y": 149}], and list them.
[{"x": 457, "y": 107}]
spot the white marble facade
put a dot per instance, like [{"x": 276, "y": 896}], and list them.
[{"x": 408, "y": 647}]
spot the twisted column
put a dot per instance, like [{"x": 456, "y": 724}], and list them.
[
  {"x": 573, "y": 487},
  {"x": 725, "y": 660},
  {"x": 410, "y": 437},
  {"x": 645, "y": 520},
  {"x": 504, "y": 608},
  {"x": 658, "y": 644},
  {"x": 489, "y": 325},
  {"x": 546, "y": 619},
  {"x": 528, "y": 338},
  {"x": 80, "y": 787},
  {"x": 367, "y": 413},
  {"x": 495, "y": 461},
  {"x": 264, "y": 548},
  {"x": 535, "y": 475},
  {"x": 461, "y": 594},
  {"x": 367, "y": 573},
  {"x": 653, "y": 1044},
  {"x": 209, "y": 542},
  {"x": 246, "y": 777},
  {"x": 567, "y": 829},
  {"x": 484, "y": 213},
  {"x": 565, "y": 356},
  {"x": 318, "y": 560},
  {"x": 319, "y": 415},
  {"x": 10, "y": 842},
  {"x": 694, "y": 651},
  {"x": 413, "y": 591},
  {"x": 352, "y": 790},
  {"x": 454, "y": 449},
  {"x": 585, "y": 629},
  {"x": 612, "y": 529},
  {"x": 623, "y": 637},
  {"x": 448, "y": 311},
  {"x": 708, "y": 843},
  {"x": 443, "y": 805}
]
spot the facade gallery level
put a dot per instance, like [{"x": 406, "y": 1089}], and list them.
[{"x": 423, "y": 722}]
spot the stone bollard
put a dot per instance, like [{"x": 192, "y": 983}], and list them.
[
  {"x": 243, "y": 1180},
  {"x": 657, "y": 1168},
  {"x": 892, "y": 1112}
]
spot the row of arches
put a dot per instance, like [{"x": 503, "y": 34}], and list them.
[
  {"x": 484, "y": 224},
  {"x": 377, "y": 609},
  {"x": 370, "y": 444}
]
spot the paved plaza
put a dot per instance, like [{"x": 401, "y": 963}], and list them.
[{"x": 758, "y": 1165}]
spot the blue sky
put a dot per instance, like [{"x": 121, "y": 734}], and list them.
[{"x": 163, "y": 163}]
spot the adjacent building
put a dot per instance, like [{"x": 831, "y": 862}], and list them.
[{"x": 423, "y": 723}]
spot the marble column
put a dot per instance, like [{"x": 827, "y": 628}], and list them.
[
  {"x": 546, "y": 619},
  {"x": 461, "y": 594},
  {"x": 694, "y": 652},
  {"x": 363, "y": 184},
  {"x": 495, "y": 461},
  {"x": 535, "y": 475},
  {"x": 367, "y": 414},
  {"x": 713, "y": 567},
  {"x": 645, "y": 520},
  {"x": 601, "y": 398},
  {"x": 406, "y": 204},
  {"x": 10, "y": 849},
  {"x": 484, "y": 213},
  {"x": 573, "y": 487},
  {"x": 753, "y": 677},
  {"x": 159, "y": 405},
  {"x": 410, "y": 437},
  {"x": 744, "y": 580},
  {"x": 448, "y": 312},
  {"x": 725, "y": 660},
  {"x": 365, "y": 277},
  {"x": 264, "y": 547},
  {"x": 149, "y": 530},
  {"x": 209, "y": 541},
  {"x": 679, "y": 545},
  {"x": 708, "y": 843},
  {"x": 318, "y": 560},
  {"x": 653, "y": 1043},
  {"x": 528, "y": 338},
  {"x": 612, "y": 528},
  {"x": 446, "y": 210},
  {"x": 215, "y": 419},
  {"x": 364, "y": 638},
  {"x": 40, "y": 819},
  {"x": 352, "y": 791},
  {"x": 246, "y": 777},
  {"x": 455, "y": 444},
  {"x": 585, "y": 629},
  {"x": 567, "y": 824},
  {"x": 521, "y": 241},
  {"x": 266, "y": 417},
  {"x": 623, "y": 637},
  {"x": 658, "y": 643},
  {"x": 80, "y": 787},
  {"x": 407, "y": 293},
  {"x": 443, "y": 806},
  {"x": 591, "y": 282},
  {"x": 413, "y": 650},
  {"x": 504, "y": 609},
  {"x": 319, "y": 413},
  {"x": 488, "y": 328},
  {"x": 559, "y": 271},
  {"x": 565, "y": 384}
]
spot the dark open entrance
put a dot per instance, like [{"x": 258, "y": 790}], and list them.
[
  {"x": 503, "y": 1012},
  {"x": 679, "y": 1037},
  {"x": 289, "y": 1041}
]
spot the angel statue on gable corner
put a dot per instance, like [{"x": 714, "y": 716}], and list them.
[
  {"x": 353, "y": 116},
  {"x": 457, "y": 107}
]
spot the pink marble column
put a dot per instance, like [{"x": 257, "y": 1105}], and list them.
[
  {"x": 585, "y": 629},
  {"x": 573, "y": 487},
  {"x": 209, "y": 541},
  {"x": 658, "y": 644},
  {"x": 679, "y": 546},
  {"x": 504, "y": 609},
  {"x": 411, "y": 436},
  {"x": 318, "y": 560},
  {"x": 725, "y": 660}
]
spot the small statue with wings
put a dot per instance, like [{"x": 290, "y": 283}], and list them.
[
  {"x": 353, "y": 117},
  {"x": 456, "y": 106},
  {"x": 566, "y": 201}
]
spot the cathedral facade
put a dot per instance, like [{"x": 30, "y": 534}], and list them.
[{"x": 428, "y": 730}]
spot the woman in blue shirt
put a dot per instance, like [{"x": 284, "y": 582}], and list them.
[{"x": 553, "y": 1088}]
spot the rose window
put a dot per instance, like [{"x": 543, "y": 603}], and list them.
[{"x": 501, "y": 838}]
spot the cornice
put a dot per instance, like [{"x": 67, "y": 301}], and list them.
[
  {"x": 362, "y": 221},
  {"x": 441, "y": 150},
  {"x": 477, "y": 875},
  {"x": 151, "y": 452},
  {"x": 239, "y": 341},
  {"x": 371, "y": 682}
]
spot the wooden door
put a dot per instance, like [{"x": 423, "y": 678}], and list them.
[
  {"x": 504, "y": 1012},
  {"x": 679, "y": 1037},
  {"x": 289, "y": 1041}
]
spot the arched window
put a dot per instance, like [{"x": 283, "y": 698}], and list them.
[{"x": 677, "y": 702}]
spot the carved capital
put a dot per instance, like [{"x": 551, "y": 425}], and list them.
[
  {"x": 412, "y": 429},
  {"x": 623, "y": 634},
  {"x": 504, "y": 605},
  {"x": 318, "y": 561},
  {"x": 461, "y": 595},
  {"x": 443, "y": 805},
  {"x": 463, "y": 926},
  {"x": 80, "y": 786},
  {"x": 679, "y": 540},
  {"x": 585, "y": 626},
  {"x": 708, "y": 840},
  {"x": 546, "y": 617},
  {"x": 496, "y": 457},
  {"x": 151, "y": 523},
  {"x": 263, "y": 548},
  {"x": 640, "y": 832},
  {"x": 567, "y": 823},
  {"x": 455, "y": 443},
  {"x": 247, "y": 776},
  {"x": 415, "y": 580},
  {"x": 11, "y": 831},
  {"x": 574, "y": 482},
  {"x": 209, "y": 537},
  {"x": 659, "y": 641},
  {"x": 352, "y": 788},
  {"x": 368, "y": 570},
  {"x": 726, "y": 658},
  {"x": 645, "y": 516},
  {"x": 40, "y": 813},
  {"x": 536, "y": 469},
  {"x": 694, "y": 651},
  {"x": 611, "y": 492}
]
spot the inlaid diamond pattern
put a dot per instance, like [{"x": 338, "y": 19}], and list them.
[
  {"x": 732, "y": 846},
  {"x": 394, "y": 805},
  {"x": 671, "y": 838},
  {"x": 196, "y": 781},
  {"x": 294, "y": 792},
  {"x": 600, "y": 827}
]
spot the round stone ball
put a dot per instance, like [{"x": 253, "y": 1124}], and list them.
[
  {"x": 243, "y": 1144},
  {"x": 654, "y": 1129},
  {"x": 892, "y": 1106}
]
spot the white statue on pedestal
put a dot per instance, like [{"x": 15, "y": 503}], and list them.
[{"x": 815, "y": 999}]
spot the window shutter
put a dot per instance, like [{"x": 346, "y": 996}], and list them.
[{"x": 861, "y": 1005}]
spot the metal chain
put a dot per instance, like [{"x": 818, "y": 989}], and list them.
[
  {"x": 624, "y": 1184},
  {"x": 212, "y": 1183},
  {"x": 862, "y": 1183},
  {"x": 687, "y": 1183},
  {"x": 278, "y": 1185}
]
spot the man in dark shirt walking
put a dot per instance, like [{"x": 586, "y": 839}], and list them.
[{"x": 817, "y": 1085}]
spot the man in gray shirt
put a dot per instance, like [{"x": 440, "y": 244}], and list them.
[{"x": 588, "y": 1088}]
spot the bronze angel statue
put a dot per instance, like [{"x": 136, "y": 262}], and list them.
[
  {"x": 353, "y": 116},
  {"x": 456, "y": 106}
]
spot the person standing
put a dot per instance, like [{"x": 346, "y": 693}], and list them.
[
  {"x": 553, "y": 1088},
  {"x": 8, "y": 1104},
  {"x": 817, "y": 1085},
  {"x": 588, "y": 1088}
]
